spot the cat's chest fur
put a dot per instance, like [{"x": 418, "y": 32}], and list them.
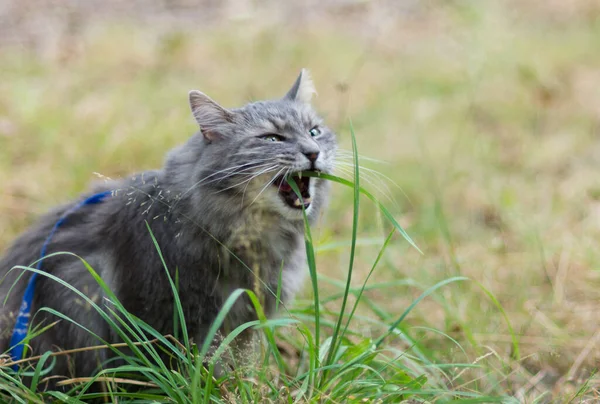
[
  {"x": 263, "y": 245},
  {"x": 260, "y": 255},
  {"x": 211, "y": 256}
]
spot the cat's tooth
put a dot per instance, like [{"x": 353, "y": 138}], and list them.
[
  {"x": 300, "y": 175},
  {"x": 297, "y": 202},
  {"x": 307, "y": 200}
]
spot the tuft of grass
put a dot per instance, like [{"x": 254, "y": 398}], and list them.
[{"x": 335, "y": 360}]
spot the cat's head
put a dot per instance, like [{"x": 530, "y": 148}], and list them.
[{"x": 248, "y": 152}]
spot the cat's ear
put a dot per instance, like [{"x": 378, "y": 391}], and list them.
[
  {"x": 208, "y": 114},
  {"x": 303, "y": 89}
]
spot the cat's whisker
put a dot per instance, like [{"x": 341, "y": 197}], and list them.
[
  {"x": 349, "y": 160},
  {"x": 248, "y": 182},
  {"x": 364, "y": 175},
  {"x": 268, "y": 184},
  {"x": 343, "y": 153},
  {"x": 277, "y": 175},
  {"x": 227, "y": 169},
  {"x": 368, "y": 170},
  {"x": 229, "y": 172},
  {"x": 246, "y": 153},
  {"x": 285, "y": 176},
  {"x": 246, "y": 171},
  {"x": 211, "y": 175},
  {"x": 248, "y": 165},
  {"x": 287, "y": 173},
  {"x": 254, "y": 175},
  {"x": 385, "y": 191},
  {"x": 380, "y": 176}
]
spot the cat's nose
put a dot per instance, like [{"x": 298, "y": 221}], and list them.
[{"x": 312, "y": 156}]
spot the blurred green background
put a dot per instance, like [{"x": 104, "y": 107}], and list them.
[{"x": 484, "y": 115}]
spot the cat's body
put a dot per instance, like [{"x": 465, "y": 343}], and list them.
[{"x": 221, "y": 213}]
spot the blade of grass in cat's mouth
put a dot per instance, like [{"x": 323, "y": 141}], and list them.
[{"x": 287, "y": 193}]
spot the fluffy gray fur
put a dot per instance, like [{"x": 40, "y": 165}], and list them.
[{"x": 217, "y": 218}]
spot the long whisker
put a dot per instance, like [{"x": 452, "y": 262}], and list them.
[
  {"x": 228, "y": 172},
  {"x": 246, "y": 171},
  {"x": 342, "y": 153},
  {"x": 248, "y": 182},
  {"x": 284, "y": 178},
  {"x": 250, "y": 165},
  {"x": 369, "y": 170},
  {"x": 245, "y": 153},
  {"x": 379, "y": 176},
  {"x": 268, "y": 183},
  {"x": 385, "y": 191},
  {"x": 254, "y": 175}
]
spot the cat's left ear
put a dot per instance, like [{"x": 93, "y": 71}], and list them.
[
  {"x": 303, "y": 89},
  {"x": 208, "y": 114}
]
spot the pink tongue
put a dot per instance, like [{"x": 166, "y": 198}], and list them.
[{"x": 285, "y": 187}]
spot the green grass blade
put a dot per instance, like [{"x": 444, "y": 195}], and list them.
[
  {"x": 356, "y": 204},
  {"x": 369, "y": 195},
  {"x": 362, "y": 289},
  {"x": 39, "y": 370},
  {"x": 177, "y": 300},
  {"x": 417, "y": 300},
  {"x": 210, "y": 336},
  {"x": 515, "y": 343},
  {"x": 312, "y": 267}
]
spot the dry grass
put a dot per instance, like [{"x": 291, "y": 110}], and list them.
[{"x": 488, "y": 117}]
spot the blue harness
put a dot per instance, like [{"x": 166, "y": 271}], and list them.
[{"x": 22, "y": 323}]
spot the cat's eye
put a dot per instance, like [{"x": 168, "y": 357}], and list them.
[
  {"x": 271, "y": 137},
  {"x": 315, "y": 131}
]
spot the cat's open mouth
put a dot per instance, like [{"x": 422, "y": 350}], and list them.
[{"x": 288, "y": 194}]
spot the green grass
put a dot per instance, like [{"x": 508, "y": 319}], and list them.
[
  {"x": 344, "y": 365},
  {"x": 483, "y": 113}
]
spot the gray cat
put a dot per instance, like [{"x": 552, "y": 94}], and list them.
[{"x": 222, "y": 213}]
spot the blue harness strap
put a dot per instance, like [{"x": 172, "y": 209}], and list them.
[{"x": 22, "y": 323}]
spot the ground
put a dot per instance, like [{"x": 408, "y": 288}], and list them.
[{"x": 484, "y": 116}]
